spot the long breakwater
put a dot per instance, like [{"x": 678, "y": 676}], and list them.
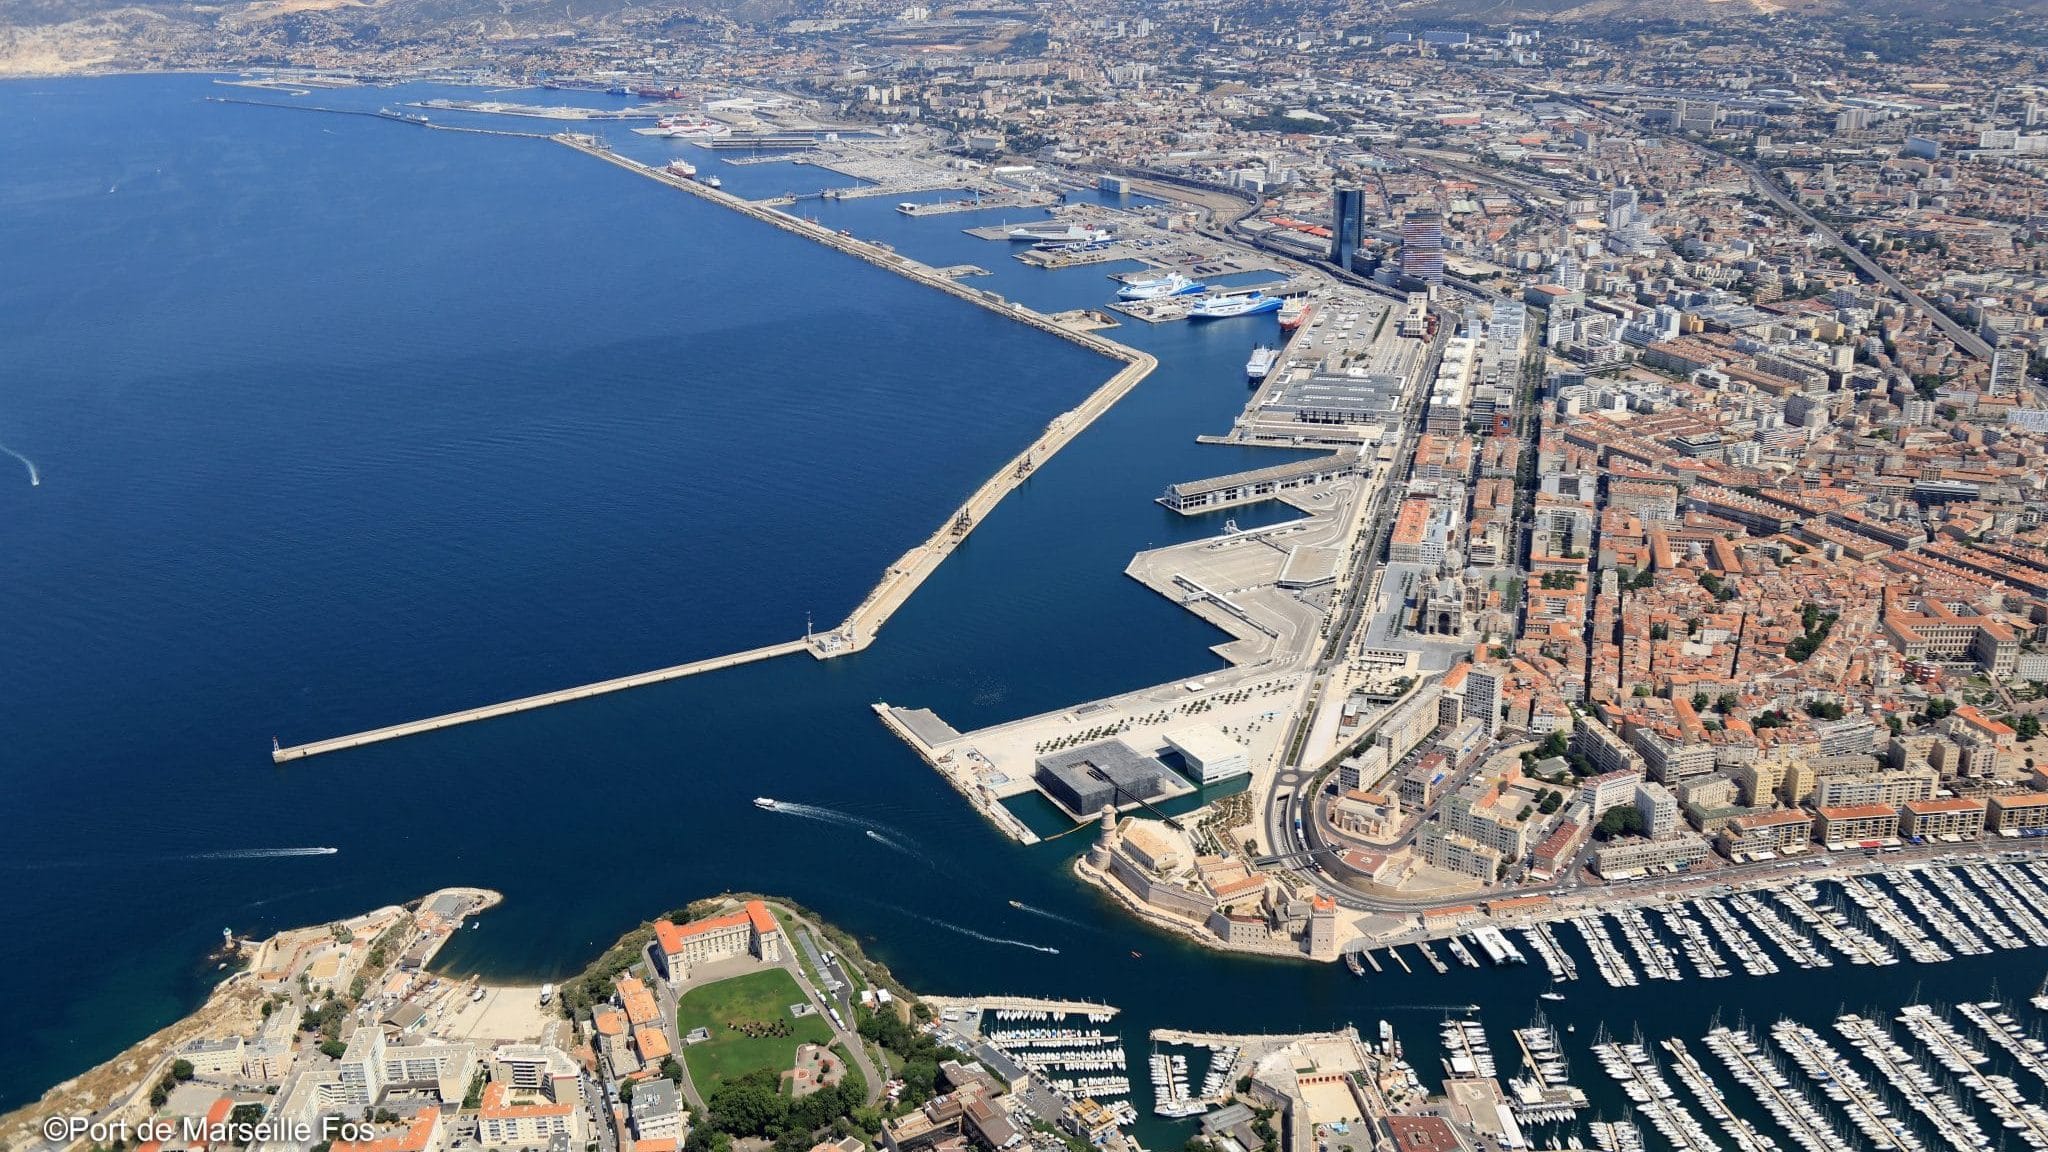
[{"x": 900, "y": 579}]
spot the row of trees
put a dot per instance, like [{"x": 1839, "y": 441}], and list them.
[
  {"x": 326, "y": 1019},
  {"x": 916, "y": 1055},
  {"x": 1620, "y": 820},
  {"x": 753, "y": 1107},
  {"x": 1816, "y": 624}
]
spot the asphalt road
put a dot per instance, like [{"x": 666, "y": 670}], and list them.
[
  {"x": 1965, "y": 339},
  {"x": 1295, "y": 777}
]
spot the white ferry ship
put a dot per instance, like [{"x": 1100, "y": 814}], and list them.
[
  {"x": 1261, "y": 363},
  {"x": 1226, "y": 307},
  {"x": 1171, "y": 284}
]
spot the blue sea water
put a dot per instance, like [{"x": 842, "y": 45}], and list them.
[{"x": 340, "y": 422}]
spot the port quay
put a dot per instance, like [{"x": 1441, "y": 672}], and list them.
[{"x": 902, "y": 578}]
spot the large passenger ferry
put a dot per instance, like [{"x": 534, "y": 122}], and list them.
[
  {"x": 1171, "y": 284},
  {"x": 1226, "y": 307}
]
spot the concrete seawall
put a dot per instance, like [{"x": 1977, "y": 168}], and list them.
[
  {"x": 529, "y": 703},
  {"x": 988, "y": 805},
  {"x": 852, "y": 246},
  {"x": 903, "y": 577}
]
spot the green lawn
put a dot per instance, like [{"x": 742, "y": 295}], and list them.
[{"x": 757, "y": 998}]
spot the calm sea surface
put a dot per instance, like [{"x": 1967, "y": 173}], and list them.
[{"x": 340, "y": 422}]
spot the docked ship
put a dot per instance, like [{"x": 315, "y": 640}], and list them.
[
  {"x": 683, "y": 168},
  {"x": 1171, "y": 284},
  {"x": 1227, "y": 307},
  {"x": 1058, "y": 232},
  {"x": 1261, "y": 363},
  {"x": 713, "y": 182},
  {"x": 1294, "y": 312}
]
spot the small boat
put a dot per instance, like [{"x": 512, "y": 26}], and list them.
[
  {"x": 1351, "y": 962},
  {"x": 1551, "y": 996},
  {"x": 1017, "y": 904},
  {"x": 1137, "y": 955},
  {"x": 765, "y": 802}
]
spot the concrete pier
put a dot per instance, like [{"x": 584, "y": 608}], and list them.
[
  {"x": 529, "y": 703},
  {"x": 960, "y": 777},
  {"x": 1021, "y": 1004},
  {"x": 916, "y": 565},
  {"x": 1246, "y": 1040}
]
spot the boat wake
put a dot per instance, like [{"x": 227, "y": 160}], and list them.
[
  {"x": 886, "y": 842},
  {"x": 259, "y": 853},
  {"x": 1020, "y": 906},
  {"x": 981, "y": 936},
  {"x": 186, "y": 857},
  {"x": 824, "y": 815},
  {"x": 268, "y": 900},
  {"x": 881, "y": 834},
  {"x": 35, "y": 478}
]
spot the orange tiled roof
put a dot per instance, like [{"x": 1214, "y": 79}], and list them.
[
  {"x": 652, "y": 1043},
  {"x": 412, "y": 1139},
  {"x": 672, "y": 935}
]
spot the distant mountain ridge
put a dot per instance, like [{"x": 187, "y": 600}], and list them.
[{"x": 52, "y": 36}]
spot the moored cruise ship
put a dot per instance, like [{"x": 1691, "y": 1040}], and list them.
[
  {"x": 1226, "y": 307},
  {"x": 1171, "y": 284}
]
